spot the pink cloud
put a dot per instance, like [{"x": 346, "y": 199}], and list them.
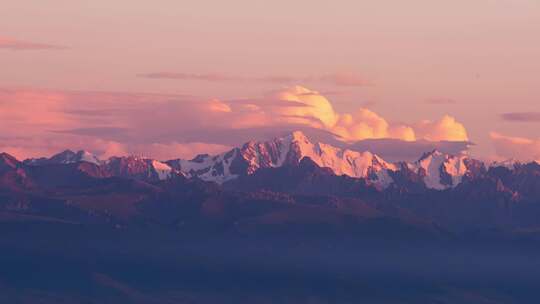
[
  {"x": 166, "y": 151},
  {"x": 189, "y": 76},
  {"x": 217, "y": 105},
  {"x": 446, "y": 128},
  {"x": 170, "y": 126},
  {"x": 43, "y": 144},
  {"x": 345, "y": 79},
  {"x": 318, "y": 112},
  {"x": 441, "y": 101},
  {"x": 21, "y": 45},
  {"x": 336, "y": 79},
  {"x": 520, "y": 148}
]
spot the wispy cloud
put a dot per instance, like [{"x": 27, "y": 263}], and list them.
[
  {"x": 336, "y": 79},
  {"x": 344, "y": 79},
  {"x": 22, "y": 45},
  {"x": 189, "y": 76},
  {"x": 521, "y": 116}
]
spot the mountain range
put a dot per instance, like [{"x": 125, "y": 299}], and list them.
[
  {"x": 435, "y": 169},
  {"x": 286, "y": 220},
  {"x": 454, "y": 192}
]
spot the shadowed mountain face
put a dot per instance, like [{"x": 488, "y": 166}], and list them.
[{"x": 284, "y": 221}]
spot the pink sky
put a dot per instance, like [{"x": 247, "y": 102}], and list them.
[{"x": 404, "y": 61}]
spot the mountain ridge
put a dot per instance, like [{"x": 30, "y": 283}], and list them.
[
  {"x": 437, "y": 170},
  {"x": 263, "y": 177}
]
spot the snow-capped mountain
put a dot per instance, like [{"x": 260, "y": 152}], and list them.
[
  {"x": 138, "y": 167},
  {"x": 440, "y": 171},
  {"x": 508, "y": 163},
  {"x": 290, "y": 149},
  {"x": 127, "y": 166},
  {"x": 345, "y": 162},
  {"x": 435, "y": 170},
  {"x": 66, "y": 157}
]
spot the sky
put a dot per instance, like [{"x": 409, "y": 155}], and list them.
[{"x": 170, "y": 78}]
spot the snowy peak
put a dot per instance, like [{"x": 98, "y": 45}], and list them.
[
  {"x": 441, "y": 171},
  {"x": 162, "y": 170},
  {"x": 508, "y": 164},
  {"x": 64, "y": 157},
  {"x": 298, "y": 137},
  {"x": 85, "y": 156},
  {"x": 67, "y": 157},
  {"x": 429, "y": 155},
  {"x": 434, "y": 169},
  {"x": 287, "y": 150},
  {"x": 139, "y": 168},
  {"x": 219, "y": 168},
  {"x": 276, "y": 152},
  {"x": 347, "y": 162},
  {"x": 88, "y": 157},
  {"x": 126, "y": 166},
  {"x": 245, "y": 160},
  {"x": 200, "y": 158}
]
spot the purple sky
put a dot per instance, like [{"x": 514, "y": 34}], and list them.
[{"x": 413, "y": 70}]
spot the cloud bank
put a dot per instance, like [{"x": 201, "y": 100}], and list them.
[
  {"x": 520, "y": 148},
  {"x": 316, "y": 110},
  {"x": 169, "y": 126}
]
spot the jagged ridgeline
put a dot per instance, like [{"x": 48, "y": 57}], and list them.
[{"x": 434, "y": 169}]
